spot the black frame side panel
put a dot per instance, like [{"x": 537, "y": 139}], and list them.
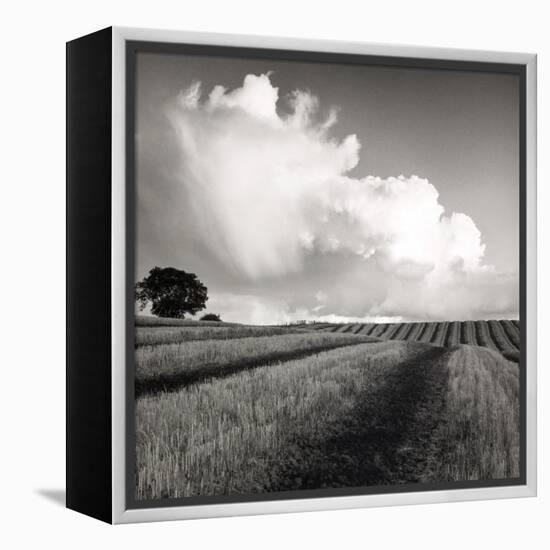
[{"x": 88, "y": 397}]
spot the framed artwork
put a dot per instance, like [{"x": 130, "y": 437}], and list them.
[{"x": 301, "y": 275}]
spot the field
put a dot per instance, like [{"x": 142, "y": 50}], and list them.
[
  {"x": 500, "y": 336},
  {"x": 170, "y": 365},
  {"x": 233, "y": 409}
]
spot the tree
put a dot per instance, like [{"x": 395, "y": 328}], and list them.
[
  {"x": 172, "y": 292},
  {"x": 211, "y": 317}
]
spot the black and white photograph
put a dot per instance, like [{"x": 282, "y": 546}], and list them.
[
  {"x": 275, "y": 275},
  {"x": 326, "y": 277}
]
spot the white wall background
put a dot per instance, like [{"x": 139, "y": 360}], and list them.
[{"x": 32, "y": 233}]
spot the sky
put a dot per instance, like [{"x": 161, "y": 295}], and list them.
[{"x": 330, "y": 192}]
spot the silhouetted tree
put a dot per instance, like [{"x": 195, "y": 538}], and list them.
[
  {"x": 171, "y": 292},
  {"x": 210, "y": 317}
]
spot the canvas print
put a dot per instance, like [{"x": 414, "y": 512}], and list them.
[{"x": 326, "y": 274}]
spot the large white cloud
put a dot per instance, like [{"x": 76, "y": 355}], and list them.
[{"x": 271, "y": 189}]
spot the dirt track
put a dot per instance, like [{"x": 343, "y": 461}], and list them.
[{"x": 387, "y": 439}]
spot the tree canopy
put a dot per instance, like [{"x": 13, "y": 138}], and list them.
[
  {"x": 210, "y": 317},
  {"x": 172, "y": 292}
]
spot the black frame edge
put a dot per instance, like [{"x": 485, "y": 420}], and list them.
[{"x": 88, "y": 269}]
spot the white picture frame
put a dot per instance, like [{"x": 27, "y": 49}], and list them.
[{"x": 119, "y": 291}]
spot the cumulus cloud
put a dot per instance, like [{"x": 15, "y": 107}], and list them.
[{"x": 271, "y": 191}]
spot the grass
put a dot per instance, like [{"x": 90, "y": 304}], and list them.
[
  {"x": 288, "y": 409},
  {"x": 468, "y": 333},
  {"x": 479, "y": 433},
  {"x": 367, "y": 328},
  {"x": 415, "y": 333},
  {"x": 150, "y": 321},
  {"x": 483, "y": 335},
  {"x": 240, "y": 434},
  {"x": 428, "y": 332},
  {"x": 512, "y": 331},
  {"x": 512, "y": 355},
  {"x": 440, "y": 334},
  {"x": 151, "y": 336},
  {"x": 500, "y": 336},
  {"x": 390, "y": 332},
  {"x": 172, "y": 365},
  {"x": 453, "y": 334}
]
